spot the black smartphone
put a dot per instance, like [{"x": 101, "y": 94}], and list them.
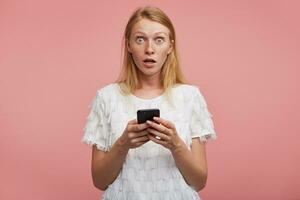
[{"x": 147, "y": 114}]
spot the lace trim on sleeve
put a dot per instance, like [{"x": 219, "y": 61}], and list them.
[
  {"x": 201, "y": 124},
  {"x": 96, "y": 130}
]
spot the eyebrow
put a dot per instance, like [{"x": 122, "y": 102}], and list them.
[{"x": 154, "y": 33}]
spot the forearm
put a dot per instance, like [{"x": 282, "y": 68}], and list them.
[
  {"x": 194, "y": 173},
  {"x": 108, "y": 168}
]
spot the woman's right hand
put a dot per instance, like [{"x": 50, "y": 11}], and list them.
[{"x": 134, "y": 135}]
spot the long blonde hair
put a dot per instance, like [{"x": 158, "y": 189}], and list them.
[{"x": 171, "y": 73}]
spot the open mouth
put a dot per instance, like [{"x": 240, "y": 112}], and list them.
[{"x": 149, "y": 60}]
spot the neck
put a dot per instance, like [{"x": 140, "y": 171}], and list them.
[{"x": 149, "y": 82}]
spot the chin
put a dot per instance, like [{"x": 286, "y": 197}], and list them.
[{"x": 150, "y": 72}]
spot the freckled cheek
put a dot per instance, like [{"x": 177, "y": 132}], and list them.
[
  {"x": 163, "y": 55},
  {"x": 136, "y": 60},
  {"x": 137, "y": 49},
  {"x": 137, "y": 55}
]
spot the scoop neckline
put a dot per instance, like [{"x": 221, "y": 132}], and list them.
[
  {"x": 151, "y": 99},
  {"x": 148, "y": 99}
]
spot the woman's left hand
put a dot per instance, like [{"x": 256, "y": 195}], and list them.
[{"x": 167, "y": 133}]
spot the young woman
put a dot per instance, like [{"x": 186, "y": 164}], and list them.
[{"x": 162, "y": 160}]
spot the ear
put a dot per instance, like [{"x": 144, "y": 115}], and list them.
[
  {"x": 128, "y": 46},
  {"x": 171, "y": 46}
]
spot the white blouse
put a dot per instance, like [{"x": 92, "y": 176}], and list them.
[{"x": 149, "y": 171}]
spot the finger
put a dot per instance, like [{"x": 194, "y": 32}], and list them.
[
  {"x": 138, "y": 127},
  {"x": 138, "y": 134},
  {"x": 140, "y": 139},
  {"x": 141, "y": 133},
  {"x": 164, "y": 122},
  {"x": 133, "y": 121},
  {"x": 159, "y": 127},
  {"x": 158, "y": 141},
  {"x": 158, "y": 134}
]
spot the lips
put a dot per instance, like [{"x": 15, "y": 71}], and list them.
[{"x": 149, "y": 60}]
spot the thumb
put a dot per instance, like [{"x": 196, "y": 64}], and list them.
[{"x": 133, "y": 121}]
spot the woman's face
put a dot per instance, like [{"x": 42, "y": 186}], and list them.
[{"x": 149, "y": 45}]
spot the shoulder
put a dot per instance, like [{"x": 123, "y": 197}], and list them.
[
  {"x": 189, "y": 94},
  {"x": 187, "y": 90},
  {"x": 108, "y": 91}
]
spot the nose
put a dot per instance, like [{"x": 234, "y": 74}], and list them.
[{"x": 149, "y": 49}]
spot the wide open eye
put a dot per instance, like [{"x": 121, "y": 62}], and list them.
[
  {"x": 139, "y": 40},
  {"x": 159, "y": 40}
]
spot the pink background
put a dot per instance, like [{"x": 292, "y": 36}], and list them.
[{"x": 243, "y": 55}]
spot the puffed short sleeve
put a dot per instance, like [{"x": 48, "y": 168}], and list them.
[
  {"x": 201, "y": 120},
  {"x": 96, "y": 130}
]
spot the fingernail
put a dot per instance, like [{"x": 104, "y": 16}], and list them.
[{"x": 149, "y": 122}]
